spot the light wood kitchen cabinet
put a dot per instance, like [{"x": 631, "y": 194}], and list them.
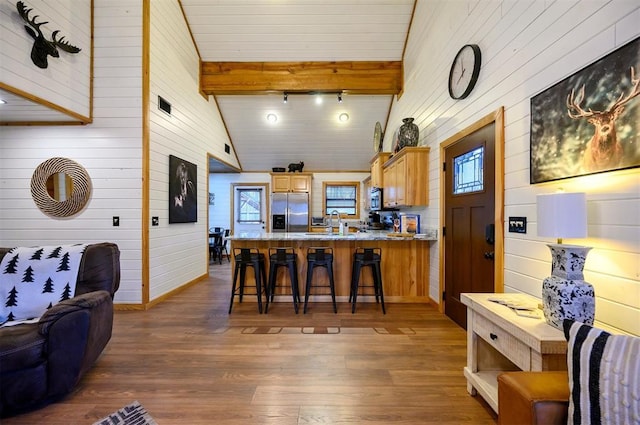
[
  {"x": 293, "y": 182},
  {"x": 366, "y": 190},
  {"x": 335, "y": 229},
  {"x": 377, "y": 179},
  {"x": 389, "y": 198},
  {"x": 406, "y": 178}
]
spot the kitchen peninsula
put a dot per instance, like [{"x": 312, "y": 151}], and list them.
[{"x": 405, "y": 260}]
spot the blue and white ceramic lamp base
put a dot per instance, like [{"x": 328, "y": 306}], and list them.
[{"x": 565, "y": 294}]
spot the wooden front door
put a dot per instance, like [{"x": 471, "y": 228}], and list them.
[{"x": 469, "y": 197}]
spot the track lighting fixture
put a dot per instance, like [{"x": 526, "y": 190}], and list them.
[
  {"x": 286, "y": 97},
  {"x": 339, "y": 97}
]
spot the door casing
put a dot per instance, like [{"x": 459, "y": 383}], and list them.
[{"x": 496, "y": 117}]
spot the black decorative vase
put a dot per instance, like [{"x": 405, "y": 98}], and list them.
[{"x": 409, "y": 133}]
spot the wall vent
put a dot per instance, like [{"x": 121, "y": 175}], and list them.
[
  {"x": 163, "y": 105},
  {"x": 227, "y": 148}
]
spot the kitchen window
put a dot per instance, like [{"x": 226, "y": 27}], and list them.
[{"x": 343, "y": 197}]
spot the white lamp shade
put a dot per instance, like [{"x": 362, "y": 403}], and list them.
[{"x": 562, "y": 215}]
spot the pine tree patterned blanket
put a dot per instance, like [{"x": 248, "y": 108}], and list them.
[{"x": 34, "y": 279}]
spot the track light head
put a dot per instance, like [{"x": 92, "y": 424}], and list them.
[{"x": 286, "y": 97}]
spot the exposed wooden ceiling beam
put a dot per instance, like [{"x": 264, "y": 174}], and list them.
[{"x": 353, "y": 77}]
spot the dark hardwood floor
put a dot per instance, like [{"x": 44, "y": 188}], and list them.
[{"x": 189, "y": 362}]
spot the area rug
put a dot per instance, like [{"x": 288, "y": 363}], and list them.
[
  {"x": 133, "y": 414},
  {"x": 265, "y": 330}
]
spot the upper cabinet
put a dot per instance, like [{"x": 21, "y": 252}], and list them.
[
  {"x": 406, "y": 178},
  {"x": 291, "y": 182},
  {"x": 376, "y": 168},
  {"x": 366, "y": 189}
]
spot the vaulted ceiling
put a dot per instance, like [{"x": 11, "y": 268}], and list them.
[{"x": 302, "y": 32}]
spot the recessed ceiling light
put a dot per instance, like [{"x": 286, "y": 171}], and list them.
[
  {"x": 272, "y": 117},
  {"x": 343, "y": 117},
  {"x": 318, "y": 99}
]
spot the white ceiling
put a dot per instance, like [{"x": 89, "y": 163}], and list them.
[
  {"x": 296, "y": 31},
  {"x": 305, "y": 131},
  {"x": 299, "y": 30}
]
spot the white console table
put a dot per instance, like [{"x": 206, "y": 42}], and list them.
[{"x": 499, "y": 340}]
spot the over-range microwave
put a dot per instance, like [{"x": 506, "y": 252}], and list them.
[{"x": 376, "y": 199}]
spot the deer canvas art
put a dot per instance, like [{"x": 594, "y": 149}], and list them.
[{"x": 589, "y": 122}]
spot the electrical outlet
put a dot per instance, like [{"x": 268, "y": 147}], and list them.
[
  {"x": 116, "y": 221},
  {"x": 155, "y": 221}
]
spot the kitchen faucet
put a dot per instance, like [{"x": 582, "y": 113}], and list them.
[{"x": 330, "y": 227}]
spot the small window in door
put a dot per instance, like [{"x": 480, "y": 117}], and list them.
[
  {"x": 250, "y": 206},
  {"x": 468, "y": 172}
]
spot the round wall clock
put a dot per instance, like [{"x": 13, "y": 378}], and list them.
[
  {"x": 464, "y": 71},
  {"x": 377, "y": 137}
]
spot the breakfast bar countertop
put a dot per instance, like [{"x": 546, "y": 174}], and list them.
[
  {"x": 404, "y": 261},
  {"x": 429, "y": 235}
]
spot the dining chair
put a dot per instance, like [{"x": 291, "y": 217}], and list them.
[
  {"x": 221, "y": 245},
  {"x": 214, "y": 235}
]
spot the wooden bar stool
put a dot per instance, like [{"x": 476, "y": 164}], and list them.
[
  {"x": 366, "y": 257},
  {"x": 249, "y": 257},
  {"x": 320, "y": 257},
  {"x": 283, "y": 257}
]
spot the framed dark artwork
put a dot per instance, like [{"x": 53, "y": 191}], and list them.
[
  {"x": 183, "y": 199},
  {"x": 589, "y": 122}
]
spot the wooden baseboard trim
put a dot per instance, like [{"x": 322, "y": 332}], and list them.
[{"x": 161, "y": 298}]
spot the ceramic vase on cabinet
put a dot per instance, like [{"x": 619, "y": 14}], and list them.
[
  {"x": 565, "y": 294},
  {"x": 409, "y": 133}
]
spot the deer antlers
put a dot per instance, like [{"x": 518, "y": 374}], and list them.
[
  {"x": 635, "y": 91},
  {"x": 62, "y": 44},
  {"x": 24, "y": 14},
  {"x": 573, "y": 101},
  {"x": 41, "y": 46}
]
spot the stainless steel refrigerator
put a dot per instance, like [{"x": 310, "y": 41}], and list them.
[{"x": 289, "y": 212}]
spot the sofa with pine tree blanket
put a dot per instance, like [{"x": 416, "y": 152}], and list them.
[{"x": 56, "y": 318}]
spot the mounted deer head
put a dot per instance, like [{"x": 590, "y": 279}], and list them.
[
  {"x": 603, "y": 151},
  {"x": 41, "y": 46}
]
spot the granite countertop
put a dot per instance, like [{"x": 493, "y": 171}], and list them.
[{"x": 370, "y": 235}]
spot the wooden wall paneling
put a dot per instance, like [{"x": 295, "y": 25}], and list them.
[
  {"x": 65, "y": 85},
  {"x": 193, "y": 132},
  {"x": 527, "y": 47},
  {"x": 114, "y": 166}
]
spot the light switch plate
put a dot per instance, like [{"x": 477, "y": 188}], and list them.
[{"x": 517, "y": 224}]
